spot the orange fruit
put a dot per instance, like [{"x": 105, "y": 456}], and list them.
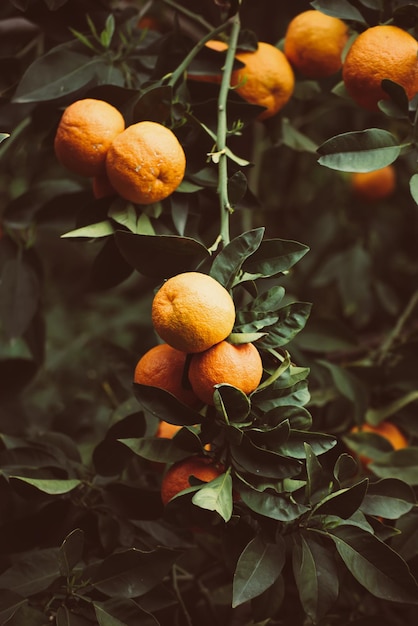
[
  {"x": 163, "y": 366},
  {"x": 166, "y": 430},
  {"x": 375, "y": 185},
  {"x": 176, "y": 479},
  {"x": 102, "y": 187},
  {"x": 237, "y": 365},
  {"x": 192, "y": 312},
  {"x": 84, "y": 134},
  {"x": 314, "y": 43},
  {"x": 387, "y": 430},
  {"x": 149, "y": 22},
  {"x": 145, "y": 163},
  {"x": 267, "y": 78},
  {"x": 380, "y": 52}
]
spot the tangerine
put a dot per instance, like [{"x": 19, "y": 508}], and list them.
[
  {"x": 375, "y": 185},
  {"x": 385, "y": 429},
  {"x": 84, "y": 134},
  {"x": 192, "y": 312},
  {"x": 176, "y": 479},
  {"x": 237, "y": 365},
  {"x": 145, "y": 163}
]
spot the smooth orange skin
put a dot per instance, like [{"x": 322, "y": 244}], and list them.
[
  {"x": 376, "y": 185},
  {"x": 266, "y": 80},
  {"x": 192, "y": 311},
  {"x": 387, "y": 430},
  {"x": 314, "y": 43},
  {"x": 380, "y": 52},
  {"x": 167, "y": 430},
  {"x": 237, "y": 365},
  {"x": 163, "y": 367},
  {"x": 176, "y": 478},
  {"x": 146, "y": 163},
  {"x": 84, "y": 134}
]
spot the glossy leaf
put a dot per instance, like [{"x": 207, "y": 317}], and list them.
[
  {"x": 272, "y": 505},
  {"x": 401, "y": 464},
  {"x": 165, "y": 406},
  {"x": 389, "y": 498},
  {"x": 375, "y": 565},
  {"x": 259, "y": 461},
  {"x": 227, "y": 264},
  {"x": 273, "y": 257},
  {"x": 160, "y": 256},
  {"x": 156, "y": 449},
  {"x": 344, "y": 502},
  {"x": 133, "y": 572},
  {"x": 360, "y": 151},
  {"x": 343, "y": 10},
  {"x": 259, "y": 565},
  {"x": 32, "y": 573},
  {"x": 51, "y": 487},
  {"x": 316, "y": 576},
  {"x": 216, "y": 496},
  {"x": 71, "y": 551},
  {"x": 291, "y": 320},
  {"x": 118, "y": 612}
]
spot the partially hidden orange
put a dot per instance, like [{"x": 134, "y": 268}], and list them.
[
  {"x": 84, "y": 134},
  {"x": 375, "y": 185},
  {"x": 237, "y": 365},
  {"x": 164, "y": 367},
  {"x": 378, "y": 53},
  {"x": 266, "y": 80},
  {"x": 177, "y": 477},
  {"x": 388, "y": 431}
]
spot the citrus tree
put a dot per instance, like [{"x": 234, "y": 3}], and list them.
[{"x": 208, "y": 338}]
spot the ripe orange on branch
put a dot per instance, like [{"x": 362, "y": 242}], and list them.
[
  {"x": 163, "y": 367},
  {"x": 192, "y": 312},
  {"x": 266, "y": 80},
  {"x": 314, "y": 43},
  {"x": 388, "y": 431},
  {"x": 381, "y": 52},
  {"x": 84, "y": 134},
  {"x": 177, "y": 477},
  {"x": 145, "y": 163},
  {"x": 375, "y": 185},
  {"x": 237, "y": 365}
]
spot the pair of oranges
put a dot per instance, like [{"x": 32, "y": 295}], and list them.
[{"x": 144, "y": 163}]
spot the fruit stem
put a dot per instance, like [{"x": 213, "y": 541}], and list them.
[
  {"x": 222, "y": 130},
  {"x": 193, "y": 16}
]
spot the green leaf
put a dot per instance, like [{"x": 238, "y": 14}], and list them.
[
  {"x": 343, "y": 10},
  {"x": 273, "y": 257},
  {"x": 154, "y": 105},
  {"x": 316, "y": 576},
  {"x": 165, "y": 406},
  {"x": 133, "y": 572},
  {"x": 296, "y": 140},
  {"x": 277, "y": 395},
  {"x": 272, "y": 505},
  {"x": 291, "y": 320},
  {"x": 118, "y": 612},
  {"x": 231, "y": 402},
  {"x": 32, "y": 573},
  {"x": 375, "y": 565},
  {"x": 156, "y": 449},
  {"x": 413, "y": 187},
  {"x": 107, "y": 34},
  {"x": 227, "y": 264},
  {"x": 360, "y": 151},
  {"x": 348, "y": 386},
  {"x": 124, "y": 213},
  {"x": 160, "y": 256},
  {"x": 318, "y": 484},
  {"x": 376, "y": 416},
  {"x": 254, "y": 460},
  {"x": 71, "y": 551},
  {"x": 258, "y": 567},
  {"x": 401, "y": 464},
  {"x": 62, "y": 71},
  {"x": 93, "y": 231},
  {"x": 4, "y": 136},
  {"x": 216, "y": 496},
  {"x": 52, "y": 487},
  {"x": 389, "y": 498},
  {"x": 295, "y": 445},
  {"x": 19, "y": 297},
  {"x": 10, "y": 602},
  {"x": 344, "y": 502}
]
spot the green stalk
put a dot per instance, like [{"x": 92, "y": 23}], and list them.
[
  {"x": 222, "y": 131},
  {"x": 193, "y": 16}
]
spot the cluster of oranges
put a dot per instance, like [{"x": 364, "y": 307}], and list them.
[
  {"x": 143, "y": 163},
  {"x": 194, "y": 315},
  {"x": 314, "y": 46}
]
